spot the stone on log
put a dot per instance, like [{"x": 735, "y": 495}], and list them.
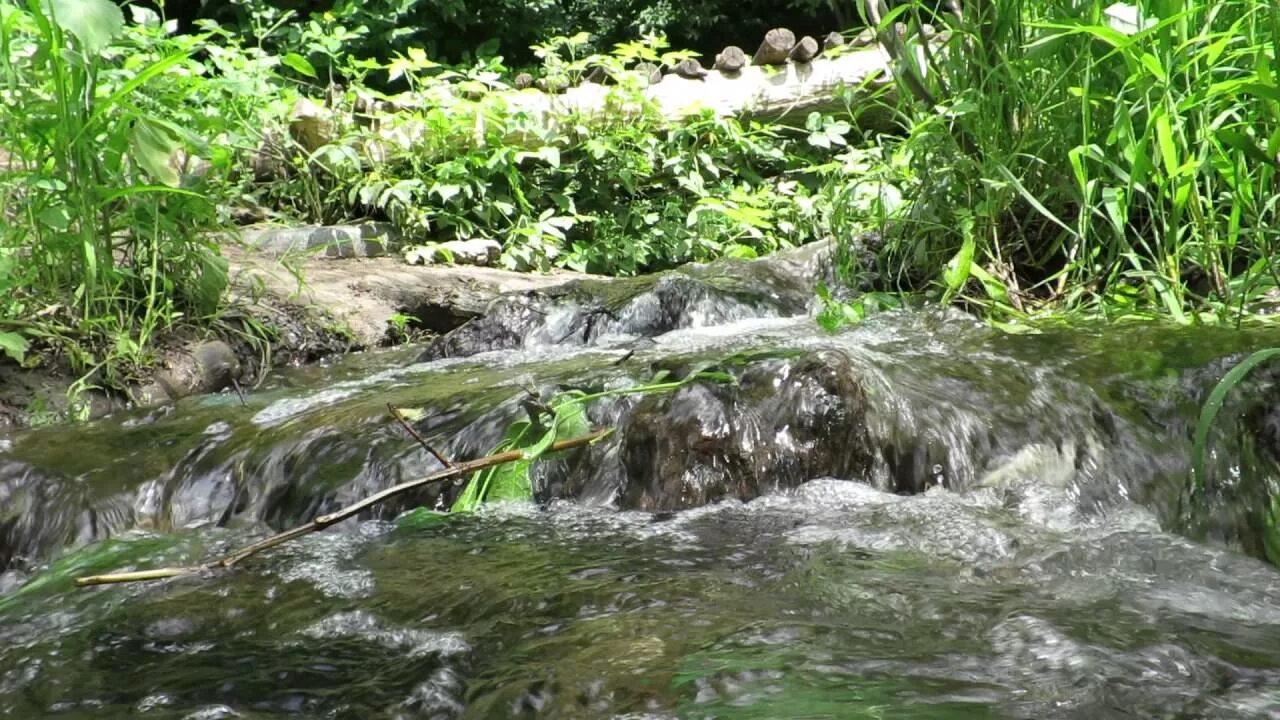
[
  {"x": 523, "y": 81},
  {"x": 832, "y": 40},
  {"x": 775, "y": 48},
  {"x": 731, "y": 60},
  {"x": 865, "y": 38},
  {"x": 651, "y": 73},
  {"x": 599, "y": 76},
  {"x": 689, "y": 68}
]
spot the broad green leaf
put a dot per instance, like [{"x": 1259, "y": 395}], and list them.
[
  {"x": 55, "y": 217},
  {"x": 571, "y": 416},
  {"x": 956, "y": 273},
  {"x": 14, "y": 345},
  {"x": 419, "y": 518},
  {"x": 152, "y": 147},
  {"x": 299, "y": 64},
  {"x": 94, "y": 23},
  {"x": 213, "y": 281}
]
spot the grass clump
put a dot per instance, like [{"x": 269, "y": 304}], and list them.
[{"x": 1083, "y": 158}]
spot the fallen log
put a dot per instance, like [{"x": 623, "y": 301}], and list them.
[
  {"x": 457, "y": 469},
  {"x": 785, "y": 94}
]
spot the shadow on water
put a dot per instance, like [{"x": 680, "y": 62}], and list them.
[{"x": 914, "y": 518}]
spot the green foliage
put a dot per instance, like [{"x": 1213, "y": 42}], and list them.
[
  {"x": 836, "y": 314},
  {"x": 564, "y": 418},
  {"x": 1090, "y": 166},
  {"x": 460, "y": 31},
  {"x": 105, "y": 182},
  {"x": 622, "y": 192}
]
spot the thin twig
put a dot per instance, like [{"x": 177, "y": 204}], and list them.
[
  {"x": 325, "y": 521},
  {"x": 239, "y": 392},
  {"x": 395, "y": 413}
]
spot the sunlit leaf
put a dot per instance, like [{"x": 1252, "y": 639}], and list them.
[
  {"x": 14, "y": 346},
  {"x": 299, "y": 64},
  {"x": 94, "y": 23},
  {"x": 152, "y": 147}
]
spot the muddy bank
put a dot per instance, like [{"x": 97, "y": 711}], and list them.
[{"x": 284, "y": 309}]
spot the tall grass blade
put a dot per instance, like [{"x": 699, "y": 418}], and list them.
[{"x": 1212, "y": 406}]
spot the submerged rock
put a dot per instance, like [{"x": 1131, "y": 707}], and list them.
[
  {"x": 781, "y": 422},
  {"x": 597, "y": 311}
]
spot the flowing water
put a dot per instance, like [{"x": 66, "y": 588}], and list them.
[{"x": 914, "y": 518}]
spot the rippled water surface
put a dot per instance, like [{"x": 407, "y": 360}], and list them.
[
  {"x": 830, "y": 601},
  {"x": 1002, "y": 551}
]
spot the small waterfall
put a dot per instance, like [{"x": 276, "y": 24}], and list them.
[{"x": 907, "y": 401}]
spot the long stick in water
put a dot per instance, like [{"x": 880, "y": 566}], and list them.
[{"x": 324, "y": 521}]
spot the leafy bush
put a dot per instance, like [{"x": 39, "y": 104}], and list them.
[
  {"x": 622, "y": 192},
  {"x": 460, "y": 31}
]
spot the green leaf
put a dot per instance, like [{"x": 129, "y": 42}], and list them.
[
  {"x": 14, "y": 345},
  {"x": 152, "y": 147},
  {"x": 956, "y": 273},
  {"x": 94, "y": 23},
  {"x": 54, "y": 217},
  {"x": 571, "y": 416},
  {"x": 419, "y": 519},
  {"x": 213, "y": 280},
  {"x": 1164, "y": 139},
  {"x": 299, "y": 64},
  {"x": 477, "y": 490}
]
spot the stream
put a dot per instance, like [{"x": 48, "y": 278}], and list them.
[{"x": 915, "y": 517}]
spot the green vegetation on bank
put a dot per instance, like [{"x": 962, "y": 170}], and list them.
[
  {"x": 1049, "y": 159},
  {"x": 1064, "y": 158}
]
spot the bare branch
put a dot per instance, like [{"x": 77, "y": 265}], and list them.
[
  {"x": 395, "y": 413},
  {"x": 325, "y": 521}
]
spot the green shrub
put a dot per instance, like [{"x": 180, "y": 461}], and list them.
[
  {"x": 622, "y": 192},
  {"x": 461, "y": 31}
]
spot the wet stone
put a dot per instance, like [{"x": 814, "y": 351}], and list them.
[
  {"x": 591, "y": 312},
  {"x": 784, "y": 421}
]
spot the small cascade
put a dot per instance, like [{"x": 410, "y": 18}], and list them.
[
  {"x": 917, "y": 511},
  {"x": 906, "y": 402}
]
